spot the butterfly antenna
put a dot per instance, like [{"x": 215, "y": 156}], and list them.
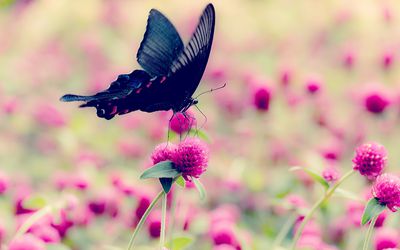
[
  {"x": 205, "y": 117},
  {"x": 211, "y": 90}
]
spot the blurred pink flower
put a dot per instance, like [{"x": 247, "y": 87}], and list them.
[
  {"x": 47, "y": 233},
  {"x": 313, "y": 85},
  {"x": 330, "y": 174},
  {"x": 387, "y": 59},
  {"x": 261, "y": 98},
  {"x": 130, "y": 149},
  {"x": 154, "y": 224},
  {"x": 48, "y": 115},
  {"x": 370, "y": 159},
  {"x": 10, "y": 105},
  {"x": 4, "y": 183},
  {"x": 376, "y": 102},
  {"x": 27, "y": 242},
  {"x": 386, "y": 238},
  {"x": 387, "y": 190}
]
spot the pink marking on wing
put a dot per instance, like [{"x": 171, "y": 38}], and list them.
[
  {"x": 149, "y": 84},
  {"x": 163, "y": 79},
  {"x": 139, "y": 90},
  {"x": 114, "y": 110},
  {"x": 124, "y": 111}
]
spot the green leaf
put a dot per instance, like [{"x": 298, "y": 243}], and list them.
[
  {"x": 373, "y": 208},
  {"x": 166, "y": 184},
  {"x": 57, "y": 247},
  {"x": 180, "y": 243},
  {"x": 199, "y": 133},
  {"x": 181, "y": 181},
  {"x": 316, "y": 177},
  {"x": 200, "y": 188},
  {"x": 164, "y": 169},
  {"x": 35, "y": 202}
]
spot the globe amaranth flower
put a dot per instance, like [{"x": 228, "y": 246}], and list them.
[
  {"x": 376, "y": 102},
  {"x": 386, "y": 238},
  {"x": 387, "y": 190},
  {"x": 181, "y": 123},
  {"x": 191, "y": 158},
  {"x": 261, "y": 98},
  {"x": 370, "y": 160},
  {"x": 163, "y": 152}
]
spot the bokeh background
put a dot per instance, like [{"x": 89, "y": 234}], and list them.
[{"x": 307, "y": 81}]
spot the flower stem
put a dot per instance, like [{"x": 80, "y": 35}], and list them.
[
  {"x": 284, "y": 231},
  {"x": 163, "y": 220},
  {"x": 143, "y": 219},
  {"x": 323, "y": 199},
  {"x": 369, "y": 232}
]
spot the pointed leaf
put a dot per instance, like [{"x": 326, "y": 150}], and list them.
[
  {"x": 181, "y": 181},
  {"x": 199, "y": 133},
  {"x": 164, "y": 169},
  {"x": 166, "y": 184},
  {"x": 372, "y": 209},
  {"x": 315, "y": 176},
  {"x": 200, "y": 188}
]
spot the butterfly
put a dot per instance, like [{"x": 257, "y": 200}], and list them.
[{"x": 171, "y": 71}]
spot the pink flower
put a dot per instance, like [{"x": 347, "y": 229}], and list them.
[
  {"x": 376, "y": 102},
  {"x": 182, "y": 123},
  {"x": 154, "y": 224},
  {"x": 330, "y": 174},
  {"x": 27, "y": 242},
  {"x": 386, "y": 238},
  {"x": 163, "y": 152},
  {"x": 48, "y": 115},
  {"x": 191, "y": 158},
  {"x": 4, "y": 183},
  {"x": 370, "y": 160},
  {"x": 262, "y": 98},
  {"x": 47, "y": 233},
  {"x": 387, "y": 190},
  {"x": 387, "y": 59},
  {"x": 313, "y": 86}
]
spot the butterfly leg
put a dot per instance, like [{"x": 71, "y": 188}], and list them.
[{"x": 205, "y": 117}]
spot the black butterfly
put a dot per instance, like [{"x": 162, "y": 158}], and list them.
[{"x": 171, "y": 72}]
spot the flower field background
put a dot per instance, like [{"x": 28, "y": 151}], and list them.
[{"x": 312, "y": 92}]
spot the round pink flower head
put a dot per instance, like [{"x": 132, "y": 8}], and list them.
[
  {"x": 386, "y": 238},
  {"x": 163, "y": 152},
  {"x": 376, "y": 103},
  {"x": 181, "y": 123},
  {"x": 387, "y": 190},
  {"x": 191, "y": 158},
  {"x": 261, "y": 98},
  {"x": 370, "y": 159}
]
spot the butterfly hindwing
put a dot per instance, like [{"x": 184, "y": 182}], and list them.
[
  {"x": 110, "y": 102},
  {"x": 160, "y": 46}
]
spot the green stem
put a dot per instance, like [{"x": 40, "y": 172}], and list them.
[
  {"x": 143, "y": 219},
  {"x": 284, "y": 231},
  {"x": 369, "y": 232},
  {"x": 163, "y": 221},
  {"x": 321, "y": 201},
  {"x": 172, "y": 218}
]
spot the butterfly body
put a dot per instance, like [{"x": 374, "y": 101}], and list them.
[{"x": 171, "y": 72}]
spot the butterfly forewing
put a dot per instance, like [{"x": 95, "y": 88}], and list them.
[
  {"x": 187, "y": 70},
  {"x": 160, "y": 46}
]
